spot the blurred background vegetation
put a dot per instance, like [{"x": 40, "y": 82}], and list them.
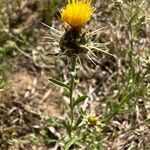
[{"x": 19, "y": 20}]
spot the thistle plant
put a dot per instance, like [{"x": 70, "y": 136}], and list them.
[{"x": 75, "y": 43}]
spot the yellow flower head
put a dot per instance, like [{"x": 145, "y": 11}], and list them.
[
  {"x": 77, "y": 13},
  {"x": 92, "y": 119}
]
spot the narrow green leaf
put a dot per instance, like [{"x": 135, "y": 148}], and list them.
[
  {"x": 58, "y": 82},
  {"x": 69, "y": 143},
  {"x": 2, "y": 110},
  {"x": 52, "y": 54},
  {"x": 78, "y": 121},
  {"x": 80, "y": 99},
  {"x": 67, "y": 126},
  {"x": 74, "y": 75}
]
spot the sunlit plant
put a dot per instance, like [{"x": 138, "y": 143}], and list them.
[{"x": 75, "y": 43}]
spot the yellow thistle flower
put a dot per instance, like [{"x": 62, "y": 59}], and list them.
[{"x": 77, "y": 13}]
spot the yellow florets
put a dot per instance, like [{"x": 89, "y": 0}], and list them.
[
  {"x": 77, "y": 13},
  {"x": 92, "y": 120}
]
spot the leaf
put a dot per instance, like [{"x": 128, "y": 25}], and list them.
[
  {"x": 2, "y": 110},
  {"x": 67, "y": 126},
  {"x": 52, "y": 121},
  {"x": 80, "y": 99},
  {"x": 69, "y": 143},
  {"x": 78, "y": 121},
  {"x": 74, "y": 75},
  {"x": 52, "y": 54},
  {"x": 59, "y": 83}
]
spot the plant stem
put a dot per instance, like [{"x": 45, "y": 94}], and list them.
[
  {"x": 72, "y": 85},
  {"x": 131, "y": 41}
]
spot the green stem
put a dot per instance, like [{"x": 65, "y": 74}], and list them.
[
  {"x": 131, "y": 38},
  {"x": 72, "y": 85},
  {"x": 131, "y": 47}
]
